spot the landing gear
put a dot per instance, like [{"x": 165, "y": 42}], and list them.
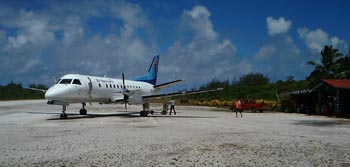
[
  {"x": 143, "y": 113},
  {"x": 146, "y": 110},
  {"x": 83, "y": 111},
  {"x": 64, "y": 115}
]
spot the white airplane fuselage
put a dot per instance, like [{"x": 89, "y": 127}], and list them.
[{"x": 75, "y": 88}]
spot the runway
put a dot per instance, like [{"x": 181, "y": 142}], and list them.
[{"x": 31, "y": 134}]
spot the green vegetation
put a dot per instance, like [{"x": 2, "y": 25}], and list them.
[
  {"x": 14, "y": 91},
  {"x": 252, "y": 86}
]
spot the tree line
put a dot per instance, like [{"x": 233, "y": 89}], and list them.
[
  {"x": 250, "y": 86},
  {"x": 15, "y": 91}
]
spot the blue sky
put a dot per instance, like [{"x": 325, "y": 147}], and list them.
[{"x": 197, "y": 40}]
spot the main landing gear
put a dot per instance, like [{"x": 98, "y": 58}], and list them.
[
  {"x": 83, "y": 111},
  {"x": 146, "y": 110}
]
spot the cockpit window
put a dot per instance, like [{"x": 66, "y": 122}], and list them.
[
  {"x": 66, "y": 81},
  {"x": 76, "y": 81},
  {"x": 58, "y": 81}
]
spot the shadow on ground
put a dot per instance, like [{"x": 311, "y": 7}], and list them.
[
  {"x": 133, "y": 114},
  {"x": 321, "y": 123}
]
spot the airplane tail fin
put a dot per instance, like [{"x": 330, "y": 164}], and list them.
[{"x": 151, "y": 76}]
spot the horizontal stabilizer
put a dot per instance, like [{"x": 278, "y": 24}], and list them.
[{"x": 180, "y": 93}]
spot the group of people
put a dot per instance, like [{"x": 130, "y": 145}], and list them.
[{"x": 237, "y": 107}]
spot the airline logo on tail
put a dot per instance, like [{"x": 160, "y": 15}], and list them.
[{"x": 151, "y": 76}]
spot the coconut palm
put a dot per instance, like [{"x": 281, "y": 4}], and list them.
[
  {"x": 344, "y": 67},
  {"x": 328, "y": 66}
]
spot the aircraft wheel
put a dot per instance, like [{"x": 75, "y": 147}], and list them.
[
  {"x": 83, "y": 111},
  {"x": 143, "y": 113},
  {"x": 63, "y": 116}
]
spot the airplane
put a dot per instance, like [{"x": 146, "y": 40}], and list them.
[{"x": 76, "y": 88}]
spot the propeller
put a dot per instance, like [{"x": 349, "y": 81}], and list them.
[
  {"x": 126, "y": 97},
  {"x": 123, "y": 80}
]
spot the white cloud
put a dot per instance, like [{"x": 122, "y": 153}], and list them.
[
  {"x": 277, "y": 26},
  {"x": 198, "y": 19},
  {"x": 56, "y": 37},
  {"x": 132, "y": 15},
  {"x": 279, "y": 57},
  {"x": 265, "y": 52},
  {"x": 33, "y": 30},
  {"x": 16, "y": 42},
  {"x": 199, "y": 55},
  {"x": 315, "y": 40},
  {"x": 73, "y": 30}
]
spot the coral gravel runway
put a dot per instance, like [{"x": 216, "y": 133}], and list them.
[{"x": 31, "y": 134}]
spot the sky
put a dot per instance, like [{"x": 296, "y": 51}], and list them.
[{"x": 197, "y": 40}]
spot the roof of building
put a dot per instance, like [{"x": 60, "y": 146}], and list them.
[{"x": 338, "y": 83}]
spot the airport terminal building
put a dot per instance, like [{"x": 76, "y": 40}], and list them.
[{"x": 330, "y": 97}]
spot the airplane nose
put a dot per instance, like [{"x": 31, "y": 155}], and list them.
[
  {"x": 49, "y": 94},
  {"x": 52, "y": 93}
]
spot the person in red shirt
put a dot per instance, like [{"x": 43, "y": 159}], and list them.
[{"x": 238, "y": 107}]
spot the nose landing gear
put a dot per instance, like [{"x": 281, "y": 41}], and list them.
[{"x": 64, "y": 115}]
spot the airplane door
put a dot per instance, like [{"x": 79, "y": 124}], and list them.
[{"x": 90, "y": 87}]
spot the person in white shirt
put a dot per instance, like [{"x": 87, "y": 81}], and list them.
[{"x": 172, "y": 106}]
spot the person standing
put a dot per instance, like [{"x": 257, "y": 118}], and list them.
[
  {"x": 172, "y": 106},
  {"x": 238, "y": 107}
]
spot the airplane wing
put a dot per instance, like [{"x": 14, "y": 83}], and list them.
[
  {"x": 168, "y": 84},
  {"x": 179, "y": 93},
  {"x": 41, "y": 90}
]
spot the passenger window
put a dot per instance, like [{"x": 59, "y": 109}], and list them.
[
  {"x": 113, "y": 85},
  {"x": 118, "y": 86},
  {"x": 99, "y": 84},
  {"x": 66, "y": 81},
  {"x": 110, "y": 85},
  {"x": 77, "y": 82},
  {"x": 106, "y": 85}
]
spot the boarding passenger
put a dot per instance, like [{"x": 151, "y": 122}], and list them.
[{"x": 172, "y": 106}]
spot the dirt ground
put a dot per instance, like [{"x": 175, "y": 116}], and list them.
[{"x": 31, "y": 134}]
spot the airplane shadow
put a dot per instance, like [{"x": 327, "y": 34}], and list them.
[
  {"x": 90, "y": 116},
  {"x": 178, "y": 116},
  {"x": 72, "y": 116},
  {"x": 131, "y": 114}
]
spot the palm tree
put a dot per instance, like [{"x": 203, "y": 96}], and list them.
[
  {"x": 328, "y": 66},
  {"x": 344, "y": 67}
]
